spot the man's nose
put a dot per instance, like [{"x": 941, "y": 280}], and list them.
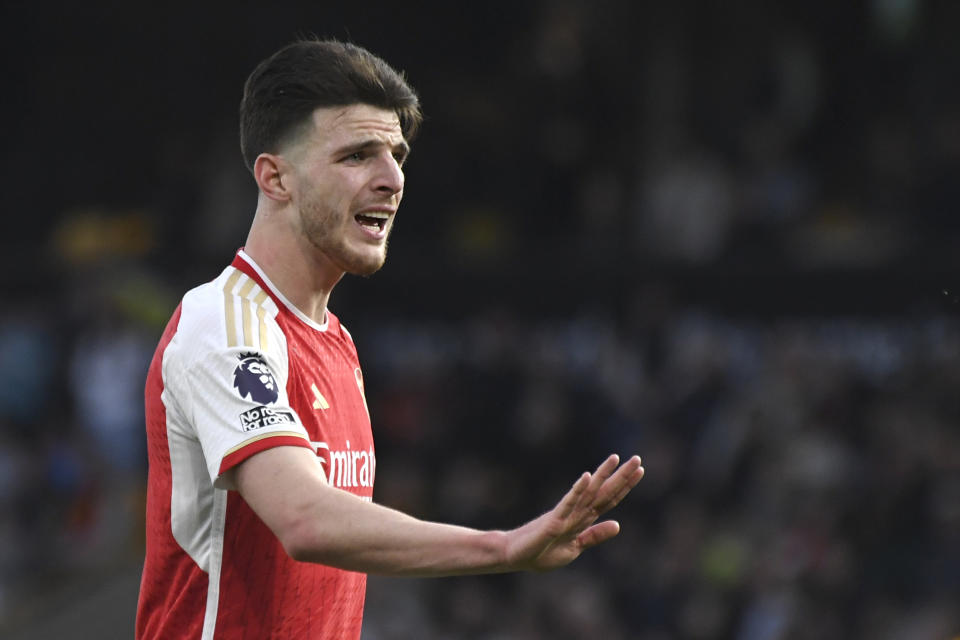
[{"x": 389, "y": 177}]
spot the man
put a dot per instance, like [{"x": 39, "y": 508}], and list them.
[{"x": 260, "y": 520}]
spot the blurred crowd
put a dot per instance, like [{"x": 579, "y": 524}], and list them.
[
  {"x": 803, "y": 477},
  {"x": 723, "y": 238}
]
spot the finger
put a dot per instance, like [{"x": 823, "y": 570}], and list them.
[
  {"x": 601, "y": 493},
  {"x": 594, "y": 494},
  {"x": 598, "y": 533},
  {"x": 606, "y": 469},
  {"x": 618, "y": 485},
  {"x": 632, "y": 481},
  {"x": 600, "y": 476},
  {"x": 573, "y": 497}
]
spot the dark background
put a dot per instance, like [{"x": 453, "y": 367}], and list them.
[{"x": 723, "y": 237}]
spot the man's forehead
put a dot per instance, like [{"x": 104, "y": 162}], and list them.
[{"x": 358, "y": 118}]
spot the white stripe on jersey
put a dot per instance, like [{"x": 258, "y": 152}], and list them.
[{"x": 213, "y": 577}]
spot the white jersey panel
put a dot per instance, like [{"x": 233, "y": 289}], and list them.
[{"x": 229, "y": 390}]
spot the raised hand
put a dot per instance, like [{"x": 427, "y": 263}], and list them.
[{"x": 557, "y": 537}]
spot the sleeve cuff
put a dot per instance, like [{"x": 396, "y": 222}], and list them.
[{"x": 265, "y": 441}]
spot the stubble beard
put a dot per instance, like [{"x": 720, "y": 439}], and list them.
[{"x": 327, "y": 233}]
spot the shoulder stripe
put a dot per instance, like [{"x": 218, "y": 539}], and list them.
[
  {"x": 250, "y": 295},
  {"x": 245, "y": 311},
  {"x": 261, "y": 315},
  {"x": 228, "y": 307}
]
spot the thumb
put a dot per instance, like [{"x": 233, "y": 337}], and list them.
[{"x": 598, "y": 533}]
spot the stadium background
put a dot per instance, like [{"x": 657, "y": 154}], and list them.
[{"x": 722, "y": 235}]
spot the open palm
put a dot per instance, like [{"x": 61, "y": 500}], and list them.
[{"x": 557, "y": 537}]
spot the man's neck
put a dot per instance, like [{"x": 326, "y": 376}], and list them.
[{"x": 304, "y": 277}]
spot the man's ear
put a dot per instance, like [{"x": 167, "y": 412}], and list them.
[{"x": 272, "y": 175}]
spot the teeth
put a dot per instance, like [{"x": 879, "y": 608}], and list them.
[{"x": 373, "y": 219}]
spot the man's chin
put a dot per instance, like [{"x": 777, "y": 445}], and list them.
[
  {"x": 364, "y": 273},
  {"x": 367, "y": 267}
]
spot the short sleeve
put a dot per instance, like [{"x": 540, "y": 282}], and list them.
[{"x": 231, "y": 394}]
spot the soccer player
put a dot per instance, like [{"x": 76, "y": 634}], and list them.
[{"x": 260, "y": 519}]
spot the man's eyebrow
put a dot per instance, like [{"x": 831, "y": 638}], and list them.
[{"x": 402, "y": 147}]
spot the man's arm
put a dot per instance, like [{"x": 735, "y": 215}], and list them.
[{"x": 316, "y": 522}]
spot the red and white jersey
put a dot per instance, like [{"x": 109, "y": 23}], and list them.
[{"x": 237, "y": 371}]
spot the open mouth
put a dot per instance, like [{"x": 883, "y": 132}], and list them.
[{"x": 373, "y": 220}]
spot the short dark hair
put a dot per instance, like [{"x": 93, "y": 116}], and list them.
[{"x": 282, "y": 92}]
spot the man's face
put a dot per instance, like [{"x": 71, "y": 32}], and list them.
[{"x": 349, "y": 178}]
